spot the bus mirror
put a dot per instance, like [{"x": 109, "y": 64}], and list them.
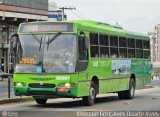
[{"x": 83, "y": 35}]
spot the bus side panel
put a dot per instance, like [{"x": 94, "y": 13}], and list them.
[
  {"x": 147, "y": 72},
  {"x": 101, "y": 68},
  {"x": 83, "y": 85},
  {"x": 108, "y": 82},
  {"x": 141, "y": 69}
]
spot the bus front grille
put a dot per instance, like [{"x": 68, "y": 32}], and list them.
[{"x": 40, "y": 85}]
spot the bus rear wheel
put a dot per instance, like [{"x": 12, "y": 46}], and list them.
[
  {"x": 40, "y": 101},
  {"x": 128, "y": 94},
  {"x": 89, "y": 100}
]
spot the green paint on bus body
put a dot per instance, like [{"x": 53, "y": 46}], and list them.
[{"x": 109, "y": 79}]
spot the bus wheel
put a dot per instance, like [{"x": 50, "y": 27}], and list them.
[
  {"x": 89, "y": 100},
  {"x": 41, "y": 101},
  {"x": 131, "y": 91},
  {"x": 128, "y": 94}
]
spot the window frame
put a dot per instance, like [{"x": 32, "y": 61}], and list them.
[{"x": 127, "y": 46}]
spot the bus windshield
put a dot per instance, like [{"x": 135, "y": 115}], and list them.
[{"x": 59, "y": 57}]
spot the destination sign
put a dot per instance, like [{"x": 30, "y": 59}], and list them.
[{"x": 46, "y": 27}]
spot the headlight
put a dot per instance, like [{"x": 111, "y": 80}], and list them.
[
  {"x": 19, "y": 84},
  {"x": 67, "y": 85}
]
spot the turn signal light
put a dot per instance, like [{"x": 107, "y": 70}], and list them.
[{"x": 73, "y": 84}]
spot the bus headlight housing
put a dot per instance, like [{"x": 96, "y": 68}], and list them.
[
  {"x": 19, "y": 84},
  {"x": 67, "y": 85}
]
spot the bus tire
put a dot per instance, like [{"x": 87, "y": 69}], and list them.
[
  {"x": 89, "y": 100},
  {"x": 128, "y": 94},
  {"x": 40, "y": 101}
]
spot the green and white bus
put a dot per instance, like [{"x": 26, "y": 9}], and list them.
[{"x": 79, "y": 59}]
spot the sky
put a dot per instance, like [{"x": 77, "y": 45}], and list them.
[{"x": 134, "y": 15}]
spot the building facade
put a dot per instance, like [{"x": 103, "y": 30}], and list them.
[
  {"x": 12, "y": 13},
  {"x": 155, "y": 49},
  {"x": 157, "y": 43},
  {"x": 54, "y": 14}
]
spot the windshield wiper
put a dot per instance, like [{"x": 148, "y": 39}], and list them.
[
  {"x": 53, "y": 38},
  {"x": 39, "y": 41}
]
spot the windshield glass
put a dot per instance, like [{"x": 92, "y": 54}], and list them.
[{"x": 57, "y": 57}]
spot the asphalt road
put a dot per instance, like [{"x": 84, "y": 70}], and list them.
[{"x": 145, "y": 100}]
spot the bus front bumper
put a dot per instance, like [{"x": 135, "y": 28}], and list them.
[{"x": 45, "y": 92}]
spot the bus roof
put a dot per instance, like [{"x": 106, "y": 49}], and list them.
[
  {"x": 108, "y": 28},
  {"x": 95, "y": 26}
]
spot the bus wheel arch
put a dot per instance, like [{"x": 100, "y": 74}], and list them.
[
  {"x": 129, "y": 94},
  {"x": 93, "y": 90},
  {"x": 96, "y": 82},
  {"x": 133, "y": 76}
]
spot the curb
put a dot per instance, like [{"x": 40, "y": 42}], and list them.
[
  {"x": 148, "y": 86},
  {"x": 16, "y": 100}
]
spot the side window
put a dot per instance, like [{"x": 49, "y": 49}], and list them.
[
  {"x": 146, "y": 54},
  {"x": 131, "y": 48},
  {"x": 139, "y": 44},
  {"x": 131, "y": 53},
  {"x": 139, "y": 48},
  {"x": 83, "y": 43},
  {"x": 104, "y": 49},
  {"x": 122, "y": 47},
  {"x": 131, "y": 43},
  {"x": 83, "y": 53},
  {"x": 139, "y": 53},
  {"x": 146, "y": 48},
  {"x": 122, "y": 42},
  {"x": 94, "y": 45},
  {"x": 146, "y": 45},
  {"x": 114, "y": 47},
  {"x": 122, "y": 52}
]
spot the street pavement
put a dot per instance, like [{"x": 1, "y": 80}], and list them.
[
  {"x": 4, "y": 89},
  {"x": 146, "y": 104}
]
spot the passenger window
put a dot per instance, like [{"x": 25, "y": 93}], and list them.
[
  {"x": 104, "y": 52},
  {"x": 114, "y": 41},
  {"x": 123, "y": 53},
  {"x": 122, "y": 42},
  {"x": 131, "y": 43},
  {"x": 103, "y": 40},
  {"x": 104, "y": 49},
  {"x": 139, "y": 44},
  {"x": 139, "y": 53},
  {"x": 114, "y": 52},
  {"x": 94, "y": 45},
  {"x": 131, "y": 53},
  {"x": 146, "y": 45}
]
